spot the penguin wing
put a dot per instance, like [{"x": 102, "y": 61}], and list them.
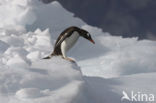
[
  {"x": 61, "y": 38},
  {"x": 66, "y": 33}
]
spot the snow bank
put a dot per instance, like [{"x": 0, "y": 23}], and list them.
[
  {"x": 42, "y": 83},
  {"x": 15, "y": 12},
  {"x": 120, "y": 57},
  {"x": 24, "y": 40},
  {"x": 110, "y": 90},
  {"x": 25, "y": 77}
]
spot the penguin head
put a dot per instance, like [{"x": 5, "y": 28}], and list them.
[{"x": 86, "y": 35}]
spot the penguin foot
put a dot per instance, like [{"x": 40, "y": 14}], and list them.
[{"x": 69, "y": 59}]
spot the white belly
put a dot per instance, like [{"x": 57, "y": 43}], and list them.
[{"x": 69, "y": 43}]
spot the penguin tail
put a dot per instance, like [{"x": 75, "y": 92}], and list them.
[{"x": 50, "y": 56}]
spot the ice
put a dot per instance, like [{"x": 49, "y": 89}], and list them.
[
  {"x": 16, "y": 62},
  {"x": 15, "y": 13},
  {"x": 102, "y": 71},
  {"x": 110, "y": 90},
  {"x": 3, "y": 46},
  {"x": 121, "y": 57},
  {"x": 34, "y": 55},
  {"x": 45, "y": 82},
  {"x": 29, "y": 93}
]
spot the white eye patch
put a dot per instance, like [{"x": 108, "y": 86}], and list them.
[{"x": 88, "y": 34}]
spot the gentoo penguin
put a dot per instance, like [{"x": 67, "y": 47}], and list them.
[{"x": 67, "y": 39}]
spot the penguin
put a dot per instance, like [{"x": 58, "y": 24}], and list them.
[{"x": 66, "y": 41}]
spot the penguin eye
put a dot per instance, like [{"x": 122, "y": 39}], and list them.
[{"x": 88, "y": 34}]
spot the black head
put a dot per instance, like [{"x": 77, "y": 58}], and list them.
[{"x": 86, "y": 35}]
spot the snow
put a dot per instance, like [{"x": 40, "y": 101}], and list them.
[
  {"x": 122, "y": 57},
  {"x": 110, "y": 90},
  {"x": 41, "y": 83},
  {"x": 28, "y": 31}
]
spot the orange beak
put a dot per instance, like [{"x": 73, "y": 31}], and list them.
[{"x": 92, "y": 41}]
